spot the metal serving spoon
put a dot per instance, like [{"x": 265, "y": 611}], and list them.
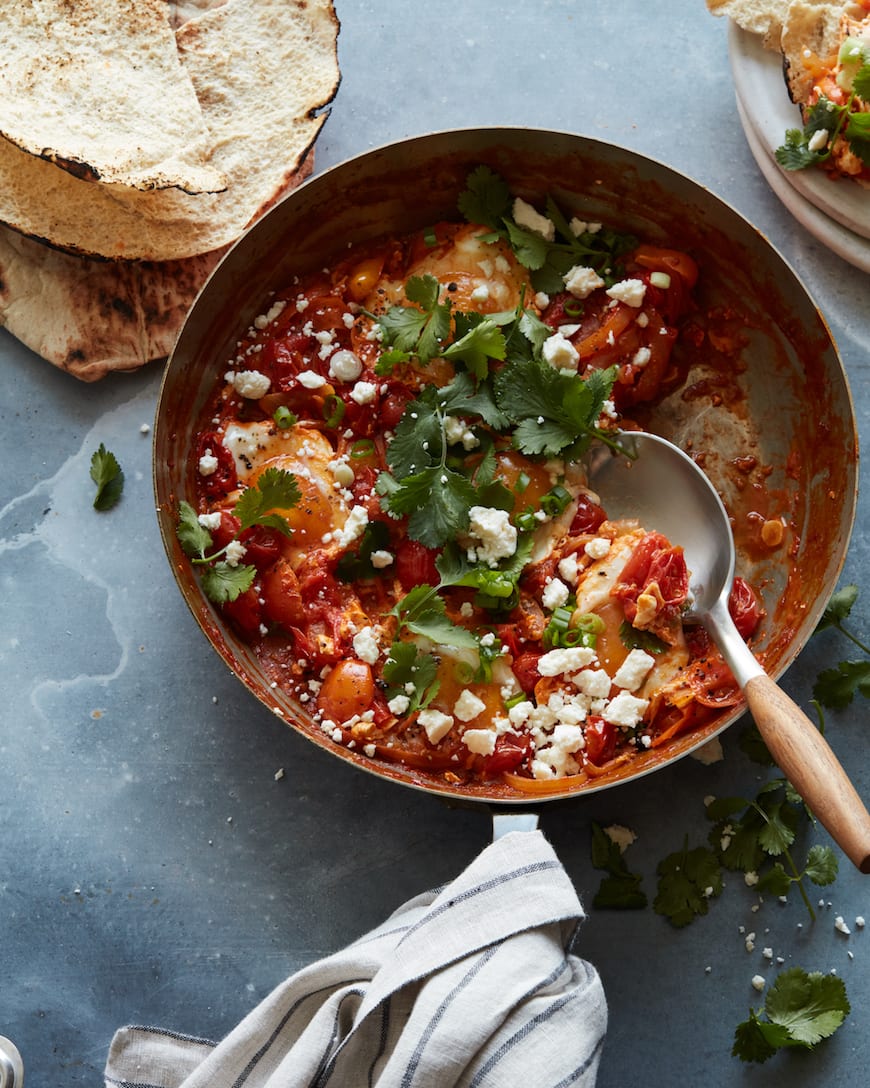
[{"x": 665, "y": 490}]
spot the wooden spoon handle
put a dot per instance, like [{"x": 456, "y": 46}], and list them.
[{"x": 806, "y": 759}]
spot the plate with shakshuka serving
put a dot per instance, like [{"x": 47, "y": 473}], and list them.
[{"x": 371, "y": 448}]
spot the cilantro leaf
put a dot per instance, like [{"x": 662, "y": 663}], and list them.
[
  {"x": 222, "y": 583},
  {"x": 802, "y": 1009},
  {"x": 497, "y": 586},
  {"x": 795, "y": 153},
  {"x": 357, "y": 564},
  {"x": 553, "y": 411},
  {"x": 530, "y": 248},
  {"x": 822, "y": 865},
  {"x": 194, "y": 538},
  {"x": 460, "y": 398},
  {"x": 482, "y": 341},
  {"x": 838, "y": 608},
  {"x": 486, "y": 199},
  {"x": 857, "y": 132},
  {"x": 107, "y": 474},
  {"x": 275, "y": 490},
  {"x": 418, "y": 329},
  {"x": 425, "y": 613},
  {"x": 835, "y": 688},
  {"x": 688, "y": 879},
  {"x": 634, "y": 639},
  {"x": 437, "y": 501},
  {"x": 418, "y": 437},
  {"x": 409, "y": 667},
  {"x": 620, "y": 889}
]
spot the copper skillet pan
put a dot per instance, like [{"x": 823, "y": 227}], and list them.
[{"x": 779, "y": 442}]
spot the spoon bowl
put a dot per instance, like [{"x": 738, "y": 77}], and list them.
[{"x": 656, "y": 483}]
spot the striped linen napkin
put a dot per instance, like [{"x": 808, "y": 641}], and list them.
[{"x": 471, "y": 984}]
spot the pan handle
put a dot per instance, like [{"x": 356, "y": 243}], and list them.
[
  {"x": 505, "y": 822},
  {"x": 11, "y": 1066}
]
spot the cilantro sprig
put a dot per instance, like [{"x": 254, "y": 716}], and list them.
[
  {"x": 799, "y": 150},
  {"x": 107, "y": 474},
  {"x": 419, "y": 329},
  {"x": 487, "y": 200},
  {"x": 224, "y": 581},
  {"x": 836, "y": 687},
  {"x": 621, "y": 888},
  {"x": 800, "y": 1010}
]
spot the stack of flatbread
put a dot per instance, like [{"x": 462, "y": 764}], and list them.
[
  {"x": 788, "y": 25},
  {"x": 138, "y": 140}
]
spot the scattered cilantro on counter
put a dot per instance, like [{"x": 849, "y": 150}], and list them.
[
  {"x": 801, "y": 1008},
  {"x": 688, "y": 879},
  {"x": 836, "y": 687},
  {"x": 107, "y": 474},
  {"x": 620, "y": 889}
]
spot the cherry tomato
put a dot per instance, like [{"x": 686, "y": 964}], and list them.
[
  {"x": 600, "y": 740},
  {"x": 393, "y": 407},
  {"x": 227, "y": 529},
  {"x": 525, "y": 668},
  {"x": 415, "y": 565},
  {"x": 744, "y": 607},
  {"x": 223, "y": 480},
  {"x": 348, "y": 690},
  {"x": 245, "y": 613},
  {"x": 510, "y": 751},
  {"x": 263, "y": 546},
  {"x": 589, "y": 516},
  {"x": 672, "y": 261},
  {"x": 282, "y": 599}
]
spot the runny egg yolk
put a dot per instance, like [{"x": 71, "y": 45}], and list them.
[{"x": 321, "y": 508}]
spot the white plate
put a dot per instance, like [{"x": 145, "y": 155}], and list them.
[
  {"x": 761, "y": 90},
  {"x": 845, "y": 243}
]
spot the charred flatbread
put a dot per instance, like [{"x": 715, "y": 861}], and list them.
[
  {"x": 263, "y": 72},
  {"x": 90, "y": 316}
]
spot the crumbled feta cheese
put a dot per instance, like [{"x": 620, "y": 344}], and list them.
[
  {"x": 480, "y": 741},
  {"x": 364, "y": 392},
  {"x": 457, "y": 431},
  {"x": 210, "y": 521},
  {"x": 594, "y": 683},
  {"x": 758, "y": 982},
  {"x": 625, "y": 710},
  {"x": 492, "y": 536},
  {"x": 568, "y": 570},
  {"x": 381, "y": 559},
  {"x": 581, "y": 281},
  {"x": 398, "y": 704},
  {"x": 234, "y": 553},
  {"x": 526, "y": 216},
  {"x": 622, "y": 836},
  {"x": 310, "y": 379},
  {"x": 262, "y": 320},
  {"x": 436, "y": 723},
  {"x": 709, "y": 753},
  {"x": 819, "y": 140},
  {"x": 580, "y": 226},
  {"x": 840, "y": 925},
  {"x": 751, "y": 878},
  {"x": 356, "y": 522},
  {"x": 641, "y": 357},
  {"x": 629, "y": 291},
  {"x": 633, "y": 671},
  {"x": 251, "y": 384},
  {"x": 555, "y": 594},
  {"x": 568, "y": 660},
  {"x": 542, "y": 300},
  {"x": 365, "y": 646},
  {"x": 597, "y": 548},
  {"x": 468, "y": 706},
  {"x": 480, "y": 293},
  {"x": 208, "y": 464},
  {"x": 560, "y": 353}
]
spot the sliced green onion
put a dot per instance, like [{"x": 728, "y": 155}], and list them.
[
  {"x": 515, "y": 700},
  {"x": 660, "y": 279},
  {"x": 333, "y": 410},
  {"x": 555, "y": 501},
  {"x": 573, "y": 307},
  {"x": 526, "y": 521},
  {"x": 429, "y": 237},
  {"x": 523, "y": 481},
  {"x": 284, "y": 418},
  {"x": 463, "y": 672},
  {"x": 363, "y": 447}
]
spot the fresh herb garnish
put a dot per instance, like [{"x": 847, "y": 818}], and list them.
[
  {"x": 423, "y": 612},
  {"x": 107, "y": 474},
  {"x": 224, "y": 580},
  {"x": 800, "y": 151},
  {"x": 688, "y": 879},
  {"x": 413, "y": 673},
  {"x": 620, "y": 889},
  {"x": 800, "y": 1009},
  {"x": 634, "y": 639},
  {"x": 835, "y": 688},
  {"x": 420, "y": 329}
]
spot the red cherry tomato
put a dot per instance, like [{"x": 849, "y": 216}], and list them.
[
  {"x": 510, "y": 751},
  {"x": 245, "y": 613},
  {"x": 589, "y": 516},
  {"x": 223, "y": 480},
  {"x": 600, "y": 740},
  {"x": 415, "y": 565},
  {"x": 744, "y": 607},
  {"x": 525, "y": 669}
]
